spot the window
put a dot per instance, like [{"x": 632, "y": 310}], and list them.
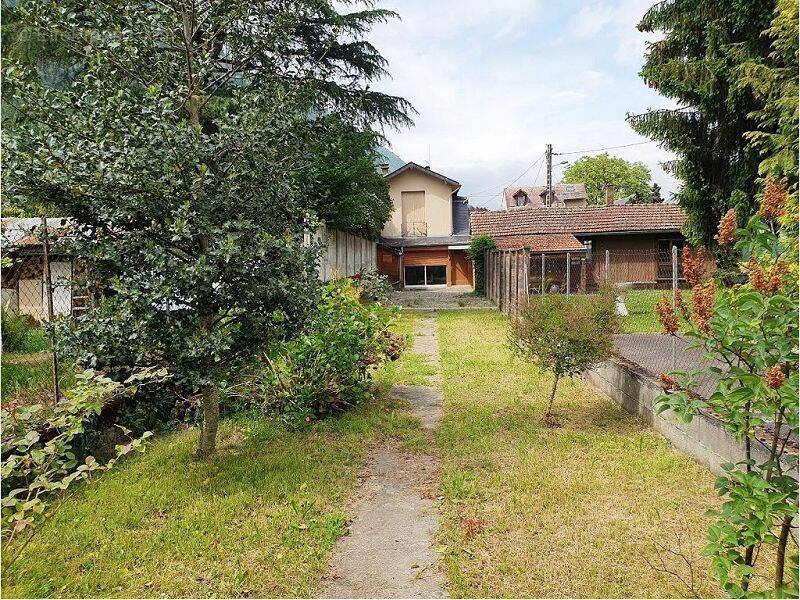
[
  {"x": 427, "y": 275},
  {"x": 413, "y": 213},
  {"x": 665, "y": 257},
  {"x": 520, "y": 198}
]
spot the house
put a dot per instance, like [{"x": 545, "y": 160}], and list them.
[
  {"x": 23, "y": 280},
  {"x": 424, "y": 243},
  {"x": 638, "y": 238},
  {"x": 565, "y": 195}
]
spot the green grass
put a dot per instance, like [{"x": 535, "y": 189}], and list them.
[
  {"x": 411, "y": 368},
  {"x": 256, "y": 519},
  {"x": 641, "y": 310},
  {"x": 572, "y": 511},
  {"x": 26, "y": 375}
]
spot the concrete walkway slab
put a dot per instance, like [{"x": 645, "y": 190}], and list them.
[{"x": 388, "y": 551}]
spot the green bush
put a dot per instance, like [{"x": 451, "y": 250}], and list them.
[
  {"x": 565, "y": 334},
  {"x": 15, "y": 331},
  {"x": 330, "y": 367},
  {"x": 477, "y": 247}
]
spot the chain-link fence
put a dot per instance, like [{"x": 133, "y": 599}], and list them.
[
  {"x": 37, "y": 288},
  {"x": 640, "y": 277}
]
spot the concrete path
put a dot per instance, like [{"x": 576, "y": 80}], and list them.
[{"x": 388, "y": 552}]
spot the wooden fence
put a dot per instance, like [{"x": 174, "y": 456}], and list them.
[
  {"x": 344, "y": 254},
  {"x": 507, "y": 278}
]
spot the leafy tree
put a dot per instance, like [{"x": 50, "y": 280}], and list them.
[
  {"x": 655, "y": 194},
  {"x": 774, "y": 82},
  {"x": 601, "y": 170},
  {"x": 477, "y": 251},
  {"x": 180, "y": 149},
  {"x": 752, "y": 329},
  {"x": 350, "y": 193},
  {"x": 696, "y": 62},
  {"x": 565, "y": 334}
]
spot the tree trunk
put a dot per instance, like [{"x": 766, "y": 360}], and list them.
[
  {"x": 208, "y": 435},
  {"x": 780, "y": 559},
  {"x": 549, "y": 410}
]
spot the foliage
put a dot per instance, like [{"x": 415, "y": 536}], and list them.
[
  {"x": 774, "y": 82},
  {"x": 477, "y": 248},
  {"x": 16, "y": 331},
  {"x": 329, "y": 368},
  {"x": 601, "y": 170},
  {"x": 565, "y": 334},
  {"x": 752, "y": 329},
  {"x": 350, "y": 193},
  {"x": 695, "y": 62},
  {"x": 40, "y": 465},
  {"x": 373, "y": 286},
  {"x": 181, "y": 149}
]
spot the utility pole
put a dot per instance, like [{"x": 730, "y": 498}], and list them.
[{"x": 549, "y": 153}]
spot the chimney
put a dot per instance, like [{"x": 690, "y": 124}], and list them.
[
  {"x": 385, "y": 169},
  {"x": 609, "y": 194}
]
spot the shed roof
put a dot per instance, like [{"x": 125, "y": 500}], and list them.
[
  {"x": 552, "y": 242},
  {"x": 630, "y": 218}
]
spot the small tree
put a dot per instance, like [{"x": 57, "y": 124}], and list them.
[
  {"x": 477, "y": 251},
  {"x": 565, "y": 335},
  {"x": 752, "y": 329}
]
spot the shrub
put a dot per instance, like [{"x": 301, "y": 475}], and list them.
[
  {"x": 373, "y": 286},
  {"x": 477, "y": 247},
  {"x": 40, "y": 465},
  {"x": 752, "y": 329},
  {"x": 329, "y": 368},
  {"x": 565, "y": 334},
  {"x": 15, "y": 331}
]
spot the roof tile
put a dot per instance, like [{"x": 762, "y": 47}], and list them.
[{"x": 528, "y": 220}]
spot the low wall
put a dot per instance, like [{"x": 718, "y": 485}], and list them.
[{"x": 704, "y": 438}]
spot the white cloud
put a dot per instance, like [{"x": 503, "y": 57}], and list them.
[
  {"x": 490, "y": 97},
  {"x": 590, "y": 20}
]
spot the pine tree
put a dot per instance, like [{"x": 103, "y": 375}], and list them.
[{"x": 704, "y": 43}]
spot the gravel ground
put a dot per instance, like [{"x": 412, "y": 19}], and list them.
[{"x": 454, "y": 297}]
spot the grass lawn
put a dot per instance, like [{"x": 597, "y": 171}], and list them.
[
  {"x": 642, "y": 312},
  {"x": 257, "y": 519},
  {"x": 532, "y": 511}
]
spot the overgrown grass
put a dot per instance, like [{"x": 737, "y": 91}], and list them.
[
  {"x": 256, "y": 519},
  {"x": 641, "y": 306},
  {"x": 573, "y": 511}
]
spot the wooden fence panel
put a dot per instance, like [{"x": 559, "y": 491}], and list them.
[
  {"x": 344, "y": 254},
  {"x": 507, "y": 280}
]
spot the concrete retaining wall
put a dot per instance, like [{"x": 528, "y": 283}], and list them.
[{"x": 704, "y": 438}]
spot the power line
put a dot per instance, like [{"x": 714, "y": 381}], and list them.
[
  {"x": 607, "y": 148},
  {"x": 498, "y": 188}
]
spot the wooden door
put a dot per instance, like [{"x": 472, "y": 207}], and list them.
[{"x": 461, "y": 268}]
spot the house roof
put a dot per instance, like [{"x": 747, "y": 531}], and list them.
[
  {"x": 427, "y": 170},
  {"x": 629, "y": 218},
  {"x": 536, "y": 194},
  {"x": 551, "y": 242},
  {"x": 447, "y": 240}
]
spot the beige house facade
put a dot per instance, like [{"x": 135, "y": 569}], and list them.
[{"x": 424, "y": 243}]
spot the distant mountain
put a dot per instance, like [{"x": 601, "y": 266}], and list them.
[{"x": 386, "y": 155}]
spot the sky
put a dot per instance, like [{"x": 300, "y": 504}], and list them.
[{"x": 494, "y": 81}]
